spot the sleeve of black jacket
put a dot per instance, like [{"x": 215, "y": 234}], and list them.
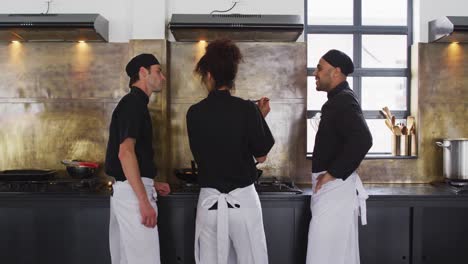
[
  {"x": 357, "y": 140},
  {"x": 260, "y": 139}
]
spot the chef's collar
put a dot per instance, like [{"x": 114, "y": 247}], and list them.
[
  {"x": 140, "y": 94},
  {"x": 216, "y": 93},
  {"x": 340, "y": 87}
]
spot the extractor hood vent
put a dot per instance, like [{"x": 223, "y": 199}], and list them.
[
  {"x": 53, "y": 27},
  {"x": 449, "y": 29},
  {"x": 238, "y": 27}
]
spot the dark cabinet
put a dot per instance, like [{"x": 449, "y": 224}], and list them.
[
  {"x": 440, "y": 235},
  {"x": 283, "y": 220},
  {"x": 90, "y": 229},
  {"x": 176, "y": 226},
  {"x": 386, "y": 237},
  {"x": 17, "y": 235},
  {"x": 286, "y": 227},
  {"x": 54, "y": 231},
  {"x": 75, "y": 230}
]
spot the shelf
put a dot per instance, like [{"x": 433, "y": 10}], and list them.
[
  {"x": 377, "y": 156},
  {"x": 388, "y": 156}
]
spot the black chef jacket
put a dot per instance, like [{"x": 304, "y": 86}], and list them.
[
  {"x": 343, "y": 138},
  {"x": 131, "y": 119},
  {"x": 225, "y": 133}
]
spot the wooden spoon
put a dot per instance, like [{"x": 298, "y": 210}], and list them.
[
  {"x": 389, "y": 114},
  {"x": 404, "y": 130},
  {"x": 397, "y": 130},
  {"x": 384, "y": 114},
  {"x": 410, "y": 122},
  {"x": 389, "y": 124}
]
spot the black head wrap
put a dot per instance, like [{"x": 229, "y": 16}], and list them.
[
  {"x": 142, "y": 60},
  {"x": 340, "y": 60}
]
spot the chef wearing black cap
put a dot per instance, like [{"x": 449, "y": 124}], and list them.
[
  {"x": 129, "y": 159},
  {"x": 342, "y": 141}
]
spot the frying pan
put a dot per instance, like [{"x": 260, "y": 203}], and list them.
[
  {"x": 80, "y": 169},
  {"x": 27, "y": 175}
]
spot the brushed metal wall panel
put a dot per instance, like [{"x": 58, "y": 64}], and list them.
[
  {"x": 39, "y": 135},
  {"x": 276, "y": 70},
  {"x": 57, "y": 104},
  {"x": 56, "y": 101},
  {"x": 62, "y": 70}
]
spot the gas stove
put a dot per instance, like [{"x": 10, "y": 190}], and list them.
[
  {"x": 265, "y": 186},
  {"x": 454, "y": 186},
  {"x": 457, "y": 186},
  {"x": 66, "y": 185}
]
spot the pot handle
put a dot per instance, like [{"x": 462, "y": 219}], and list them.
[{"x": 442, "y": 145}]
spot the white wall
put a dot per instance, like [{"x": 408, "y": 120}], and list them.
[
  {"x": 147, "y": 19},
  {"x": 128, "y": 19},
  {"x": 290, "y": 7},
  {"x": 433, "y": 9}
]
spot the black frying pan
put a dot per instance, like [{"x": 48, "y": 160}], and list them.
[{"x": 26, "y": 175}]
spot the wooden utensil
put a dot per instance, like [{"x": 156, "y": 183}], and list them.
[
  {"x": 384, "y": 114},
  {"x": 397, "y": 130},
  {"x": 393, "y": 120},
  {"x": 389, "y": 114},
  {"x": 410, "y": 122},
  {"x": 389, "y": 124},
  {"x": 404, "y": 130}
]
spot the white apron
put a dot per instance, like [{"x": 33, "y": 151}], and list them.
[
  {"x": 130, "y": 241},
  {"x": 230, "y": 235},
  {"x": 333, "y": 230}
]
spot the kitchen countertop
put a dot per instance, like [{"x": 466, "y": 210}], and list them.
[
  {"x": 402, "y": 190},
  {"x": 413, "y": 192}
]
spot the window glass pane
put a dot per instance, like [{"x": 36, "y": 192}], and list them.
[
  {"x": 319, "y": 44},
  {"x": 311, "y": 132},
  {"x": 316, "y": 99},
  {"x": 384, "y": 12},
  {"x": 327, "y": 12},
  {"x": 381, "y": 136},
  {"x": 378, "y": 92},
  {"x": 384, "y": 51}
]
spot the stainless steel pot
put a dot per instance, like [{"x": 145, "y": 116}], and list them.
[{"x": 455, "y": 158}]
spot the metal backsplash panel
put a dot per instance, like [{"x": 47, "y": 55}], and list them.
[
  {"x": 56, "y": 101},
  {"x": 275, "y": 70}
]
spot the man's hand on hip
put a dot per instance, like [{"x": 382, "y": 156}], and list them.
[
  {"x": 322, "y": 179},
  {"x": 162, "y": 188}
]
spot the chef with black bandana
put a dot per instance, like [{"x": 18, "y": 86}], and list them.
[
  {"x": 342, "y": 141},
  {"x": 133, "y": 232}
]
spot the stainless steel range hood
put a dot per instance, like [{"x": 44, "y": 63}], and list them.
[
  {"x": 53, "y": 27},
  {"x": 238, "y": 27},
  {"x": 449, "y": 29}
]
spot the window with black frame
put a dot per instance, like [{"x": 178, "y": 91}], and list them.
[{"x": 377, "y": 35}]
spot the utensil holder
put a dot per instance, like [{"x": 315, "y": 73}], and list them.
[
  {"x": 413, "y": 145},
  {"x": 396, "y": 145},
  {"x": 404, "y": 145}
]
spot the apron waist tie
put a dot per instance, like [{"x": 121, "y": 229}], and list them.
[
  {"x": 222, "y": 231},
  {"x": 362, "y": 197}
]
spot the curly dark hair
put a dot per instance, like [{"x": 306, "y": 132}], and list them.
[{"x": 220, "y": 60}]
